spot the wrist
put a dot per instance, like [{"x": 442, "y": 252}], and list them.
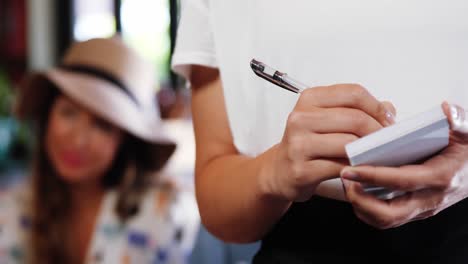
[
  {"x": 269, "y": 194},
  {"x": 267, "y": 180}
]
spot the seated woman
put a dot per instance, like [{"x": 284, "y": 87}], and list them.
[{"x": 96, "y": 193}]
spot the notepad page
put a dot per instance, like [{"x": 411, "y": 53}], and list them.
[{"x": 428, "y": 127}]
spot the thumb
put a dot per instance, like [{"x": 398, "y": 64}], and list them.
[{"x": 457, "y": 116}]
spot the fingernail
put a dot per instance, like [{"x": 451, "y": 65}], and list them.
[
  {"x": 390, "y": 117},
  {"x": 454, "y": 112},
  {"x": 459, "y": 120},
  {"x": 350, "y": 175}
]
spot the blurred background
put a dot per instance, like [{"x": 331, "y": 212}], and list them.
[{"x": 34, "y": 34}]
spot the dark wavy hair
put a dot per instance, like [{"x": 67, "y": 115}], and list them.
[{"x": 130, "y": 174}]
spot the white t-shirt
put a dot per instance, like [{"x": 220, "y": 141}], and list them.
[{"x": 412, "y": 53}]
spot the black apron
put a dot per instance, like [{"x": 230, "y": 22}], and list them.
[{"x": 327, "y": 231}]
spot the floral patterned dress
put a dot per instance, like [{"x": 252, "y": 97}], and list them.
[{"x": 163, "y": 231}]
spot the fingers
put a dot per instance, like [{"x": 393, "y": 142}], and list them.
[
  {"x": 457, "y": 116},
  {"x": 391, "y": 108},
  {"x": 309, "y": 146},
  {"x": 329, "y": 145},
  {"x": 306, "y": 176},
  {"x": 388, "y": 214},
  {"x": 405, "y": 178},
  {"x": 345, "y": 95},
  {"x": 321, "y": 169},
  {"x": 334, "y": 120}
]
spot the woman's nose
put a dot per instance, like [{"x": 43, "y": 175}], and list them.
[{"x": 81, "y": 134}]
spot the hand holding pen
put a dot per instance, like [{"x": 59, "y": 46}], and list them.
[
  {"x": 322, "y": 122},
  {"x": 313, "y": 144}
]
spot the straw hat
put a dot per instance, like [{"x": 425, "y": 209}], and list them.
[{"x": 112, "y": 81}]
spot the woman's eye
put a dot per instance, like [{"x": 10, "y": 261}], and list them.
[
  {"x": 68, "y": 111},
  {"x": 104, "y": 126}
]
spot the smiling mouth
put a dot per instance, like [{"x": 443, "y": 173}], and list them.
[{"x": 72, "y": 160}]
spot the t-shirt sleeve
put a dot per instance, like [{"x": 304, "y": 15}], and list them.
[{"x": 194, "y": 41}]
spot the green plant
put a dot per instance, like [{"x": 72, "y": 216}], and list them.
[
  {"x": 6, "y": 96},
  {"x": 14, "y": 135}
]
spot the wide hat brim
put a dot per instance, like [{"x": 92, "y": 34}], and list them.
[{"x": 100, "y": 97}]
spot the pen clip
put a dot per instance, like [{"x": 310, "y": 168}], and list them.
[{"x": 272, "y": 75}]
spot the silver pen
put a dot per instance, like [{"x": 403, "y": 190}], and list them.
[{"x": 276, "y": 77}]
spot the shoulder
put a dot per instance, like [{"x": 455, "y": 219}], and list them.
[
  {"x": 166, "y": 224},
  {"x": 16, "y": 198},
  {"x": 171, "y": 200},
  {"x": 163, "y": 204},
  {"x": 177, "y": 211},
  {"x": 14, "y": 221}
]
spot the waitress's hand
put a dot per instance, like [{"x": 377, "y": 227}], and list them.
[
  {"x": 312, "y": 148},
  {"x": 432, "y": 186}
]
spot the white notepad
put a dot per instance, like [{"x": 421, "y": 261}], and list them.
[{"x": 405, "y": 142}]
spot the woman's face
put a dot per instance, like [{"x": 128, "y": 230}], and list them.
[{"x": 80, "y": 145}]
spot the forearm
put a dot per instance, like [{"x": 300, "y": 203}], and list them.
[{"x": 233, "y": 203}]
